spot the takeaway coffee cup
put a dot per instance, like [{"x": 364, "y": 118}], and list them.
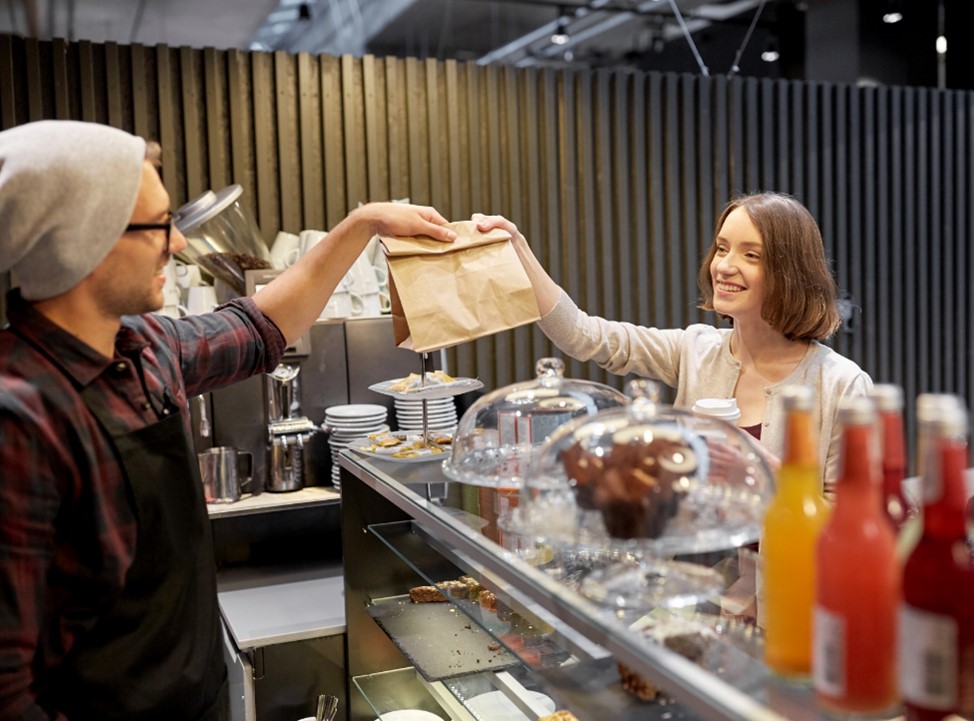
[
  {"x": 225, "y": 473},
  {"x": 723, "y": 408}
]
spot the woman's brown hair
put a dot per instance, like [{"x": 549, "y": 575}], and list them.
[{"x": 800, "y": 296}]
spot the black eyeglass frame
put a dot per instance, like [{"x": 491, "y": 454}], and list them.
[{"x": 167, "y": 226}]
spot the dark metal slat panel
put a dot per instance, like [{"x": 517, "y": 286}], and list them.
[
  {"x": 710, "y": 172},
  {"x": 894, "y": 301},
  {"x": 688, "y": 238},
  {"x": 241, "y": 126},
  {"x": 35, "y": 87},
  {"x": 639, "y": 229},
  {"x": 193, "y": 129},
  {"x": 624, "y": 160},
  {"x": 658, "y": 201},
  {"x": 438, "y": 168},
  {"x": 673, "y": 240},
  {"x": 797, "y": 114},
  {"x": 115, "y": 86},
  {"x": 570, "y": 228},
  {"x": 216, "y": 118},
  {"x": 826, "y": 217},
  {"x": 866, "y": 224},
  {"x": 782, "y": 178},
  {"x": 736, "y": 133},
  {"x": 140, "y": 93},
  {"x": 375, "y": 162},
  {"x": 768, "y": 179},
  {"x": 881, "y": 332},
  {"x": 603, "y": 274},
  {"x": 753, "y": 134},
  {"x": 952, "y": 335},
  {"x": 840, "y": 218},
  {"x": 89, "y": 91},
  {"x": 812, "y": 149},
  {"x": 265, "y": 134},
  {"x": 288, "y": 143},
  {"x": 168, "y": 112},
  {"x": 333, "y": 155},
  {"x": 309, "y": 124},
  {"x": 719, "y": 136},
  {"x": 62, "y": 87},
  {"x": 352, "y": 130},
  {"x": 8, "y": 66},
  {"x": 586, "y": 172},
  {"x": 397, "y": 127},
  {"x": 924, "y": 272}
]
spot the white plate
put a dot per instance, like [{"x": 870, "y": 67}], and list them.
[
  {"x": 355, "y": 410},
  {"x": 409, "y": 714},
  {"x": 495, "y": 706}
]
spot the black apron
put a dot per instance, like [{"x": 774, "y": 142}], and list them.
[{"x": 156, "y": 652}]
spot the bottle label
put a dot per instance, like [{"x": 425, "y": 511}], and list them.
[
  {"x": 828, "y": 654},
  {"x": 928, "y": 658}
]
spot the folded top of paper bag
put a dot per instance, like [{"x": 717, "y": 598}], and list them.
[{"x": 467, "y": 237}]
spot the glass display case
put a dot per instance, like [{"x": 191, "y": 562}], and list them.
[{"x": 513, "y": 637}]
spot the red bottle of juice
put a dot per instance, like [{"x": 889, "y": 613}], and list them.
[
  {"x": 889, "y": 407},
  {"x": 937, "y": 615},
  {"x": 857, "y": 582}
]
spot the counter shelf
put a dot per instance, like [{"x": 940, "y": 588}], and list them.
[
  {"x": 267, "y": 502},
  {"x": 745, "y": 690}
]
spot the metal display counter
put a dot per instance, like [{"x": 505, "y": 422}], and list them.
[{"x": 405, "y": 525}]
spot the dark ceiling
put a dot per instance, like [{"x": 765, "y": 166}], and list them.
[{"x": 829, "y": 40}]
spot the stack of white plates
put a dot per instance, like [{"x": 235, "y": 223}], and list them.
[
  {"x": 442, "y": 415},
  {"x": 349, "y": 422}
]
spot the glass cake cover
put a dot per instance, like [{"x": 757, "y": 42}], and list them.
[
  {"x": 498, "y": 437},
  {"x": 646, "y": 478}
]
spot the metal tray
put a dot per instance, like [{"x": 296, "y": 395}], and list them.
[{"x": 439, "y": 639}]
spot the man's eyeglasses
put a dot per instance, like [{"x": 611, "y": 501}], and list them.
[{"x": 167, "y": 226}]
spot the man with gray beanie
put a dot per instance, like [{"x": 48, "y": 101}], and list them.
[{"x": 107, "y": 579}]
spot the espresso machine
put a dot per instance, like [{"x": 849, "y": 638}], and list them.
[{"x": 289, "y": 433}]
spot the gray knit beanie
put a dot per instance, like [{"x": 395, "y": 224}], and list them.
[{"x": 67, "y": 191}]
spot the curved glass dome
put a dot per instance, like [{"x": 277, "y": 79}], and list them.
[
  {"x": 497, "y": 438},
  {"x": 648, "y": 478}
]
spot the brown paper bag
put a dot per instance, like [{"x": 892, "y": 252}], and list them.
[{"x": 443, "y": 294}]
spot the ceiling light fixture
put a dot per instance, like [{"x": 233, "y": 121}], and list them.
[
  {"x": 892, "y": 18},
  {"x": 941, "y": 45},
  {"x": 770, "y": 53},
  {"x": 560, "y": 36}
]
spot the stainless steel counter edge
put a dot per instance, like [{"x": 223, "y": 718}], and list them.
[{"x": 691, "y": 685}]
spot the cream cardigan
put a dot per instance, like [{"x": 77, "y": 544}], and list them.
[{"x": 697, "y": 362}]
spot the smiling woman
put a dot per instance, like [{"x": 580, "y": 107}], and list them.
[{"x": 767, "y": 274}]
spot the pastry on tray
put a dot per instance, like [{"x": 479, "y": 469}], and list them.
[
  {"x": 426, "y": 594},
  {"x": 414, "y": 381}
]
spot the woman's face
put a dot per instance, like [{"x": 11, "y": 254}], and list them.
[{"x": 737, "y": 270}]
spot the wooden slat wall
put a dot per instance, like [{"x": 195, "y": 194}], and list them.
[{"x": 616, "y": 177}]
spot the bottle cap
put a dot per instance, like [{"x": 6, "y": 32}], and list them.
[
  {"x": 888, "y": 397},
  {"x": 798, "y": 398},
  {"x": 723, "y": 408},
  {"x": 857, "y": 411}
]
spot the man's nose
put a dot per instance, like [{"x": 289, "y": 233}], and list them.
[{"x": 177, "y": 241}]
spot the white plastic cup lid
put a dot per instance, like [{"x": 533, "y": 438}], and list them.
[{"x": 723, "y": 408}]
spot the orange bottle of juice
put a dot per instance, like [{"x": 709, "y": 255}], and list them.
[
  {"x": 857, "y": 581},
  {"x": 792, "y": 523}
]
